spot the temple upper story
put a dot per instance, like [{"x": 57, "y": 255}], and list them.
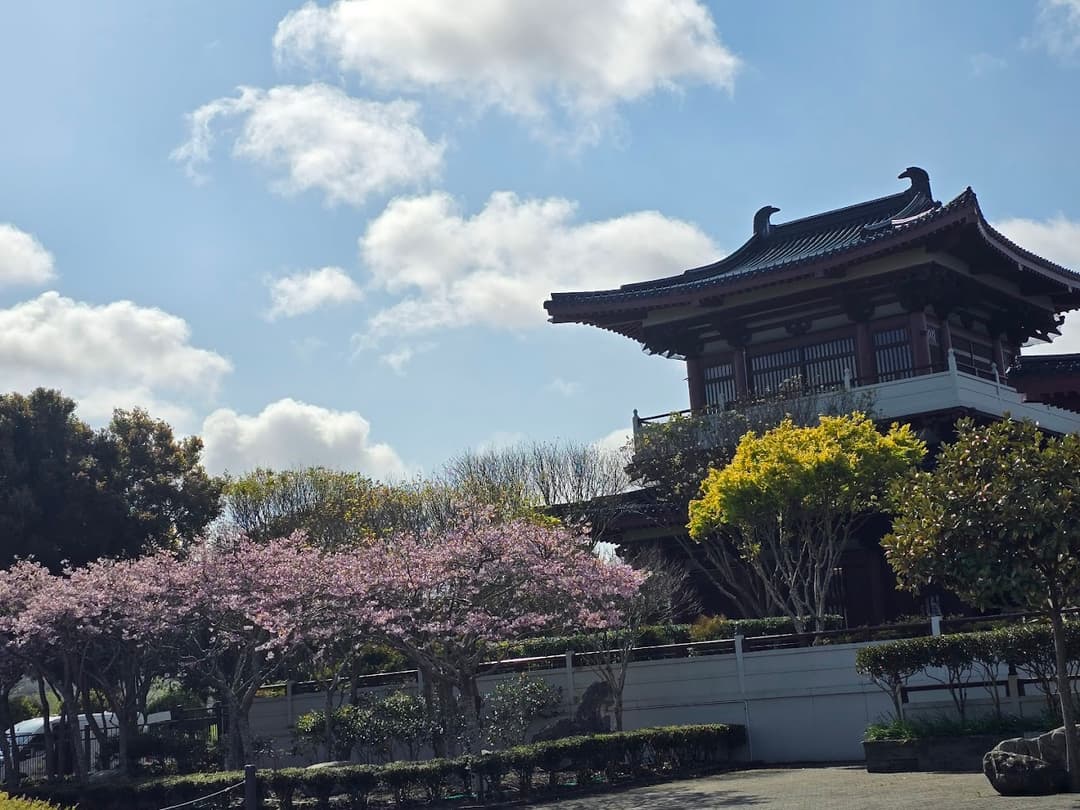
[{"x": 872, "y": 295}]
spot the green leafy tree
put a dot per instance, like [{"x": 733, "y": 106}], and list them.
[
  {"x": 673, "y": 457},
  {"x": 998, "y": 522},
  {"x": 47, "y": 478},
  {"x": 156, "y": 493},
  {"x": 68, "y": 493},
  {"x": 796, "y": 495}
]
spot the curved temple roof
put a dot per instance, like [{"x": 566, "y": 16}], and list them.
[{"x": 823, "y": 238}]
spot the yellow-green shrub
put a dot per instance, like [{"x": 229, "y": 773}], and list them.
[{"x": 13, "y": 803}]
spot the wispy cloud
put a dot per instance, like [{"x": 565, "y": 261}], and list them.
[
  {"x": 310, "y": 290},
  {"x": 565, "y": 388},
  {"x": 316, "y": 137},
  {"x": 1057, "y": 29}
]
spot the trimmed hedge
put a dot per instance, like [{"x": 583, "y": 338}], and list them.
[
  {"x": 963, "y": 656},
  {"x": 708, "y": 628},
  {"x": 663, "y": 750}
]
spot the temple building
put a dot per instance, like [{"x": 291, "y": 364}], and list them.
[{"x": 922, "y": 306}]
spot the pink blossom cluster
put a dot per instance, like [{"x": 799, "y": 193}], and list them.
[{"x": 235, "y": 613}]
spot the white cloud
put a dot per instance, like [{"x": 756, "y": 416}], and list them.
[
  {"x": 400, "y": 357},
  {"x": 531, "y": 58},
  {"x": 301, "y": 293},
  {"x": 616, "y": 441},
  {"x": 1056, "y": 239},
  {"x": 289, "y": 434},
  {"x": 1057, "y": 29},
  {"x": 106, "y": 356},
  {"x": 23, "y": 259},
  {"x": 565, "y": 388},
  {"x": 497, "y": 267},
  {"x": 318, "y": 137}
]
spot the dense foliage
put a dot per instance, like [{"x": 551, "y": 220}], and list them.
[
  {"x": 233, "y": 614},
  {"x": 673, "y": 457},
  {"x": 512, "y": 707},
  {"x": 793, "y": 497},
  {"x": 961, "y": 658},
  {"x": 18, "y": 803},
  {"x": 568, "y": 764},
  {"x": 998, "y": 523},
  {"x": 70, "y": 494}
]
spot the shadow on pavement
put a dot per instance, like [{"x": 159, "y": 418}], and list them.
[{"x": 663, "y": 799}]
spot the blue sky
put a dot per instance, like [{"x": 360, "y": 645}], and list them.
[{"x": 324, "y": 233}]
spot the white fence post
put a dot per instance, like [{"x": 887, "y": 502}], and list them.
[
  {"x": 569, "y": 699},
  {"x": 739, "y": 664}
]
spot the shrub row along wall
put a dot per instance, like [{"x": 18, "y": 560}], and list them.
[
  {"x": 962, "y": 660},
  {"x": 707, "y": 628},
  {"x": 572, "y": 762}
]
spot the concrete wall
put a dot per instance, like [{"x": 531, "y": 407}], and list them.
[{"x": 799, "y": 705}]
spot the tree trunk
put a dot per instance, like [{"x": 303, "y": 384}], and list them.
[
  {"x": 470, "y": 693},
  {"x": 70, "y": 715},
  {"x": 1068, "y": 712},
  {"x": 438, "y": 737},
  {"x": 50, "y": 746},
  {"x": 9, "y": 748},
  {"x": 328, "y": 722},
  {"x": 620, "y": 687}
]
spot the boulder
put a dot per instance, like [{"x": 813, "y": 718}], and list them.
[
  {"x": 1015, "y": 774},
  {"x": 1020, "y": 745},
  {"x": 1052, "y": 747}
]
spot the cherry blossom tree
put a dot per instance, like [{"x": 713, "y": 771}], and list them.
[
  {"x": 14, "y": 586},
  {"x": 446, "y": 599},
  {"x": 243, "y": 608},
  {"x": 126, "y": 618}
]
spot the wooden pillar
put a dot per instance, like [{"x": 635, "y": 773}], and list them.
[
  {"x": 742, "y": 386},
  {"x": 945, "y": 335},
  {"x": 866, "y": 368},
  {"x": 695, "y": 380},
  {"x": 999, "y": 355},
  {"x": 920, "y": 342}
]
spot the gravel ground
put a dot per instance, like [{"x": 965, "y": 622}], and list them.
[{"x": 842, "y": 788}]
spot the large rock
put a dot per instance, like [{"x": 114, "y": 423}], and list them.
[
  {"x": 1020, "y": 745},
  {"x": 1052, "y": 747},
  {"x": 1014, "y": 774}
]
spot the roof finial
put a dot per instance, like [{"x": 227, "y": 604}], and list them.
[
  {"x": 920, "y": 180},
  {"x": 761, "y": 220}
]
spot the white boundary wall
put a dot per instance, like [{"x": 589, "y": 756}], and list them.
[{"x": 804, "y": 704}]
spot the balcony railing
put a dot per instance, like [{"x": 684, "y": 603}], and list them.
[{"x": 953, "y": 385}]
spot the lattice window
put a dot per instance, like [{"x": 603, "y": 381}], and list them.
[
  {"x": 892, "y": 354},
  {"x": 720, "y": 388},
  {"x": 819, "y": 365},
  {"x": 973, "y": 357}
]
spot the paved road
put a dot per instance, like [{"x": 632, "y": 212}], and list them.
[{"x": 834, "y": 788}]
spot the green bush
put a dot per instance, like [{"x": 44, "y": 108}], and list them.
[
  {"x": 23, "y": 708},
  {"x": 514, "y": 704},
  {"x": 1028, "y": 647},
  {"x": 666, "y": 750},
  {"x": 950, "y": 727},
  {"x": 16, "y": 803}
]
